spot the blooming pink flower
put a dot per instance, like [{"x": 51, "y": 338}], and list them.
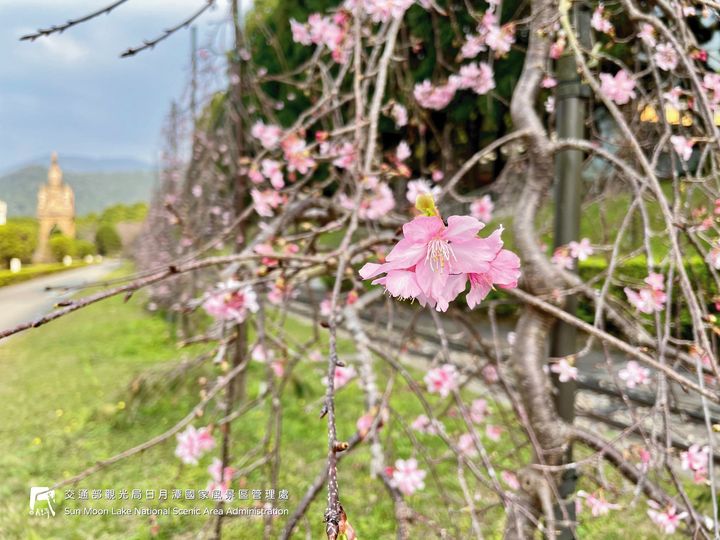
[
  {"x": 268, "y": 135},
  {"x": 695, "y": 459},
  {"x": 711, "y": 82},
  {"x": 564, "y": 370},
  {"x": 618, "y": 88},
  {"x": 682, "y": 146},
  {"x": 466, "y": 445},
  {"x": 490, "y": 374},
  {"x": 597, "y": 503},
  {"x": 399, "y": 114},
  {"x": 433, "y": 262},
  {"x": 442, "y": 380},
  {"x": 713, "y": 256},
  {"x": 272, "y": 170},
  {"x": 343, "y": 375},
  {"x": 431, "y": 97},
  {"x": 476, "y": 77},
  {"x": 493, "y": 432},
  {"x": 650, "y": 298},
  {"x": 562, "y": 258},
  {"x": 599, "y": 22},
  {"x": 548, "y": 82},
  {"x": 377, "y": 200},
  {"x": 407, "y": 477},
  {"x": 558, "y": 47},
  {"x": 500, "y": 39},
  {"x": 482, "y": 208},
  {"x": 266, "y": 201},
  {"x": 381, "y": 11},
  {"x": 300, "y": 33},
  {"x": 634, "y": 374},
  {"x": 667, "y": 519},
  {"x": 474, "y": 45},
  {"x": 193, "y": 443},
  {"x": 424, "y": 425},
  {"x": 403, "y": 151},
  {"x": 666, "y": 57},
  {"x": 220, "y": 477},
  {"x": 420, "y": 187},
  {"x": 647, "y": 34},
  {"x": 437, "y": 175},
  {"x": 231, "y": 302},
  {"x": 297, "y": 154},
  {"x": 261, "y": 354},
  {"x": 580, "y": 250},
  {"x": 478, "y": 411},
  {"x": 673, "y": 97}
]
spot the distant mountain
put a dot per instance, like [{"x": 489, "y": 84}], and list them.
[
  {"x": 84, "y": 164},
  {"x": 94, "y": 191}
]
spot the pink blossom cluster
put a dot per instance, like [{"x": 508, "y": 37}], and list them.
[
  {"x": 266, "y": 201},
  {"x": 597, "y": 503},
  {"x": 682, "y": 146},
  {"x": 634, "y": 374},
  {"x": 476, "y": 77},
  {"x": 220, "y": 477},
  {"x": 434, "y": 262},
  {"x": 330, "y": 31},
  {"x": 193, "y": 443},
  {"x": 695, "y": 460},
  {"x": 482, "y": 208},
  {"x": 297, "y": 154},
  {"x": 564, "y": 256},
  {"x": 668, "y": 519},
  {"x": 564, "y": 370},
  {"x": 377, "y": 199},
  {"x": 343, "y": 375},
  {"x": 489, "y": 35},
  {"x": 434, "y": 97},
  {"x": 442, "y": 380},
  {"x": 382, "y": 11},
  {"x": 600, "y": 22},
  {"x": 650, "y": 298},
  {"x": 406, "y": 476},
  {"x": 343, "y": 154},
  {"x": 268, "y": 135},
  {"x": 619, "y": 88},
  {"x": 231, "y": 302},
  {"x": 421, "y": 186},
  {"x": 423, "y": 424}
]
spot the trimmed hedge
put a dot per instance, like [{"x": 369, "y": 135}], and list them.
[{"x": 31, "y": 272}]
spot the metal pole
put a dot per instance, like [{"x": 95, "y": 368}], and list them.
[{"x": 571, "y": 109}]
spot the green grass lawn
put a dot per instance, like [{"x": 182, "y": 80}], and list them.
[
  {"x": 71, "y": 396},
  {"x": 33, "y": 271}
]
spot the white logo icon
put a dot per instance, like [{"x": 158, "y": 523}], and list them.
[{"x": 42, "y": 494}]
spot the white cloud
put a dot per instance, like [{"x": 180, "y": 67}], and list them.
[{"x": 63, "y": 48}]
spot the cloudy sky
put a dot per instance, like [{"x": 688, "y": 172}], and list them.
[{"x": 72, "y": 93}]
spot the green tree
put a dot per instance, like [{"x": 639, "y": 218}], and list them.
[
  {"x": 61, "y": 245},
  {"x": 107, "y": 239},
  {"x": 18, "y": 238}
]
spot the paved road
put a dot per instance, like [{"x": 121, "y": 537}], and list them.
[{"x": 26, "y": 301}]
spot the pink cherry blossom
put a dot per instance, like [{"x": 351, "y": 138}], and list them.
[
  {"x": 618, "y": 88},
  {"x": 548, "y": 82},
  {"x": 424, "y": 425},
  {"x": 599, "y": 22},
  {"x": 220, "y": 477},
  {"x": 300, "y": 33},
  {"x": 268, "y": 135},
  {"x": 503, "y": 271},
  {"x": 434, "y": 97},
  {"x": 647, "y": 34},
  {"x": 403, "y": 151},
  {"x": 667, "y": 519},
  {"x": 407, "y": 477},
  {"x": 564, "y": 370},
  {"x": 261, "y": 354},
  {"x": 482, "y": 208},
  {"x": 476, "y": 77},
  {"x": 500, "y": 39},
  {"x": 713, "y": 256},
  {"x": 695, "y": 459},
  {"x": 266, "y": 201},
  {"x": 673, "y": 97},
  {"x": 562, "y": 258},
  {"x": 634, "y": 374},
  {"x": 558, "y": 48},
  {"x": 297, "y": 154},
  {"x": 437, "y": 175},
  {"x": 651, "y": 298},
  {"x": 381, "y": 11},
  {"x": 493, "y": 432},
  {"x": 666, "y": 57},
  {"x": 597, "y": 503},
  {"x": 683, "y": 146},
  {"x": 420, "y": 187},
  {"x": 399, "y": 114},
  {"x": 272, "y": 170},
  {"x": 377, "y": 200},
  {"x": 711, "y": 82},
  {"x": 231, "y": 302},
  {"x": 193, "y": 443},
  {"x": 490, "y": 374},
  {"x": 474, "y": 45},
  {"x": 580, "y": 250},
  {"x": 345, "y": 155},
  {"x": 478, "y": 411},
  {"x": 442, "y": 380},
  {"x": 466, "y": 445}
]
